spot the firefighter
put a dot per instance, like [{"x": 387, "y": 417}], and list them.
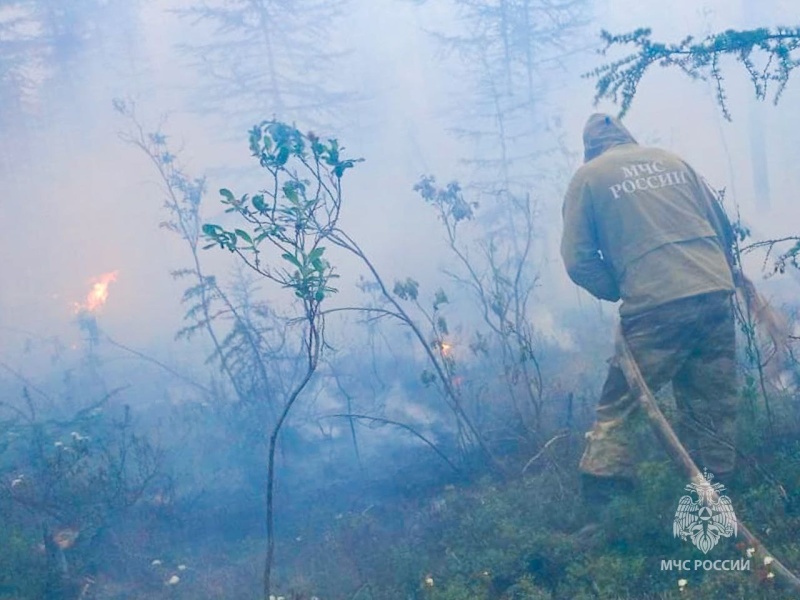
[{"x": 641, "y": 226}]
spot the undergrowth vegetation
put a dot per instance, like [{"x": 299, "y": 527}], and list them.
[
  {"x": 526, "y": 537},
  {"x": 417, "y": 532}
]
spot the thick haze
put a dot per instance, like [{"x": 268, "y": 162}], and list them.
[{"x": 79, "y": 202}]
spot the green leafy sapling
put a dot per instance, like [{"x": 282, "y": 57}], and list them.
[{"x": 281, "y": 238}]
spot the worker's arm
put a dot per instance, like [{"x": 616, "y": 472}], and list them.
[{"x": 580, "y": 249}]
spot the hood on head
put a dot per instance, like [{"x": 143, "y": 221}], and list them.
[{"x": 601, "y": 133}]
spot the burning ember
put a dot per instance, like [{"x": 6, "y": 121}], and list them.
[
  {"x": 98, "y": 295},
  {"x": 66, "y": 538}
]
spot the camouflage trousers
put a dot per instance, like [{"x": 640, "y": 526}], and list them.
[{"x": 691, "y": 343}]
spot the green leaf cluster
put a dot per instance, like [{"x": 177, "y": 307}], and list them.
[
  {"x": 293, "y": 215},
  {"x": 619, "y": 79},
  {"x": 449, "y": 200},
  {"x": 274, "y": 143}
]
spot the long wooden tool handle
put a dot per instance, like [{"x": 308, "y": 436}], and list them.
[{"x": 675, "y": 449}]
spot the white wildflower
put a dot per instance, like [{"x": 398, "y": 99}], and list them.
[
  {"x": 58, "y": 444},
  {"x": 750, "y": 552},
  {"x": 768, "y": 560},
  {"x": 181, "y": 567},
  {"x": 428, "y": 581},
  {"x": 682, "y": 583},
  {"x": 156, "y": 563},
  {"x": 174, "y": 580},
  {"x": 770, "y": 575}
]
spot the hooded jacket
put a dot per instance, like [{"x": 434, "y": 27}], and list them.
[{"x": 640, "y": 225}]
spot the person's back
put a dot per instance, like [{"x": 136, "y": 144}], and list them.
[{"x": 651, "y": 218}]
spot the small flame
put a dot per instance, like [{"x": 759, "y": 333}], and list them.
[
  {"x": 446, "y": 348},
  {"x": 66, "y": 538},
  {"x": 98, "y": 295}
]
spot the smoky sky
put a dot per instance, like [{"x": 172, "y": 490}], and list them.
[{"x": 79, "y": 202}]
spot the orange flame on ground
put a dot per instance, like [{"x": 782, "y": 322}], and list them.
[{"x": 98, "y": 295}]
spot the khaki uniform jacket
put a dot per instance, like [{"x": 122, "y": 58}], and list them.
[{"x": 640, "y": 225}]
